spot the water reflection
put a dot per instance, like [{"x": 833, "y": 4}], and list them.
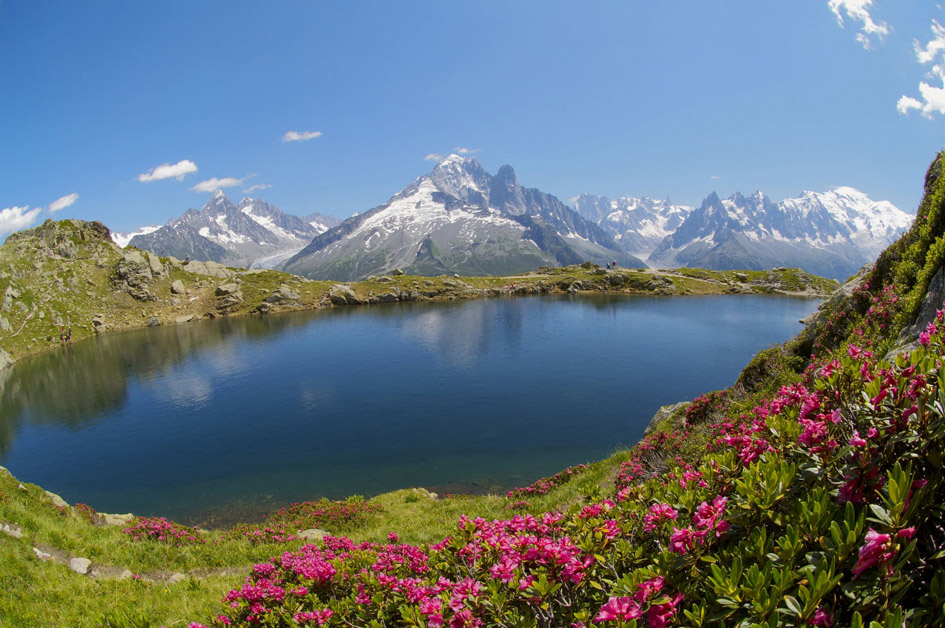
[{"x": 81, "y": 383}]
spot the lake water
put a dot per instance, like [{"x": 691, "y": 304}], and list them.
[{"x": 219, "y": 420}]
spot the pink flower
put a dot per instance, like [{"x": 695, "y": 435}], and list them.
[
  {"x": 659, "y": 615},
  {"x": 681, "y": 540},
  {"x": 657, "y": 514},
  {"x": 856, "y": 441},
  {"x": 648, "y": 588},
  {"x": 622, "y": 608},
  {"x": 821, "y": 618},
  {"x": 875, "y": 551}
]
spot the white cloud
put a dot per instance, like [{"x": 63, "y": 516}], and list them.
[
  {"x": 169, "y": 171},
  {"x": 300, "y": 136},
  {"x": 435, "y": 157},
  {"x": 16, "y": 218},
  {"x": 213, "y": 184},
  {"x": 466, "y": 151},
  {"x": 859, "y": 11},
  {"x": 257, "y": 187},
  {"x": 714, "y": 177},
  {"x": 62, "y": 203},
  {"x": 933, "y": 98}
]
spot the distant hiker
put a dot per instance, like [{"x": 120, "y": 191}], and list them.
[
  {"x": 512, "y": 289},
  {"x": 62, "y": 334},
  {"x": 187, "y": 259},
  {"x": 69, "y": 335}
]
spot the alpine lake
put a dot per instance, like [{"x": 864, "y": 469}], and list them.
[{"x": 223, "y": 420}]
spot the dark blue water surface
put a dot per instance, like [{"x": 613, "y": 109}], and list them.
[{"x": 243, "y": 415}]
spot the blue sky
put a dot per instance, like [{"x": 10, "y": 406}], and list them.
[{"x": 126, "y": 112}]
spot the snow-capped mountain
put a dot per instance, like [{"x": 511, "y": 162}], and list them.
[
  {"x": 251, "y": 233},
  {"x": 458, "y": 219},
  {"x": 637, "y": 224},
  {"x": 830, "y": 234},
  {"x": 122, "y": 239}
]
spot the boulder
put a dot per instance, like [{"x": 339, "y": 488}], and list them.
[
  {"x": 133, "y": 275},
  {"x": 40, "y": 554},
  {"x": 58, "y": 501},
  {"x": 117, "y": 520},
  {"x": 80, "y": 565},
  {"x": 283, "y": 295},
  {"x": 178, "y": 287},
  {"x": 342, "y": 294},
  {"x": 154, "y": 321},
  {"x": 211, "y": 269},
  {"x": 184, "y": 319},
  {"x": 154, "y": 262},
  {"x": 665, "y": 413},
  {"x": 5, "y": 359},
  {"x": 226, "y": 289},
  {"x": 396, "y": 272},
  {"x": 313, "y": 534},
  {"x": 11, "y": 530}
]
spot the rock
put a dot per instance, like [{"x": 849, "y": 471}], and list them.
[
  {"x": 178, "y": 287},
  {"x": 409, "y": 295},
  {"x": 341, "y": 294},
  {"x": 264, "y": 308},
  {"x": 154, "y": 262},
  {"x": 5, "y": 324},
  {"x": 58, "y": 501},
  {"x": 599, "y": 271},
  {"x": 384, "y": 279},
  {"x": 5, "y": 359},
  {"x": 176, "y": 577},
  {"x": 396, "y": 272},
  {"x": 184, "y": 319},
  {"x": 98, "y": 323},
  {"x": 154, "y": 321},
  {"x": 742, "y": 277},
  {"x": 125, "y": 575},
  {"x": 284, "y": 294},
  {"x": 226, "y": 289},
  {"x": 387, "y": 297},
  {"x": 80, "y": 565},
  {"x": 11, "y": 530},
  {"x": 211, "y": 269},
  {"x": 313, "y": 534},
  {"x": 665, "y": 413},
  {"x": 9, "y": 295},
  {"x": 117, "y": 520},
  {"x": 40, "y": 554},
  {"x": 133, "y": 275}
]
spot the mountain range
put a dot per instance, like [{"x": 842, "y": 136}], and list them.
[
  {"x": 252, "y": 233},
  {"x": 460, "y": 219},
  {"x": 831, "y": 234}
]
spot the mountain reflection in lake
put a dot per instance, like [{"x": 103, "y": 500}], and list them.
[{"x": 186, "y": 420}]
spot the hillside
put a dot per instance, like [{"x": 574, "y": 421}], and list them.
[{"x": 810, "y": 493}]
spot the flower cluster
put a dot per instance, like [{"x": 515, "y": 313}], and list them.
[
  {"x": 544, "y": 485},
  {"x": 160, "y": 529}
]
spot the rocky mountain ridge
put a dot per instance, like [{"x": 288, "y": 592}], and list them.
[
  {"x": 831, "y": 234},
  {"x": 251, "y": 233},
  {"x": 458, "y": 219}
]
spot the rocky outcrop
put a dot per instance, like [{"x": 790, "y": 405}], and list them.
[
  {"x": 134, "y": 275},
  {"x": 665, "y": 413}
]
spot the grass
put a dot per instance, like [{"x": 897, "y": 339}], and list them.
[{"x": 35, "y": 593}]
